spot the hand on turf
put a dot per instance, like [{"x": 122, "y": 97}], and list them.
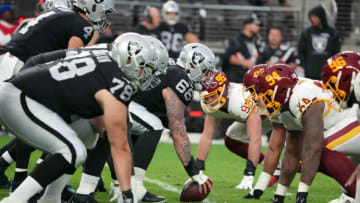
[
  {"x": 246, "y": 183},
  {"x": 115, "y": 192},
  {"x": 354, "y": 176},
  {"x": 205, "y": 183}
]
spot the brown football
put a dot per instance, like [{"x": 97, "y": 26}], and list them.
[{"x": 190, "y": 193}]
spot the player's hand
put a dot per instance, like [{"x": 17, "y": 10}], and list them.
[
  {"x": 205, "y": 183},
  {"x": 246, "y": 183},
  {"x": 301, "y": 197},
  {"x": 354, "y": 176},
  {"x": 254, "y": 194},
  {"x": 115, "y": 191}
]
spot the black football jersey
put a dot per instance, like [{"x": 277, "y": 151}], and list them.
[
  {"x": 178, "y": 81},
  {"x": 68, "y": 86},
  {"x": 48, "y": 32},
  {"x": 60, "y": 54},
  {"x": 172, "y": 37}
]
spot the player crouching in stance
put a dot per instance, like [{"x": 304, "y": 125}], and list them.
[
  {"x": 223, "y": 99},
  {"x": 305, "y": 104},
  {"x": 90, "y": 84},
  {"x": 340, "y": 75}
]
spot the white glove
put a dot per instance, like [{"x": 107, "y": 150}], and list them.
[
  {"x": 200, "y": 178},
  {"x": 115, "y": 191},
  {"x": 246, "y": 183}
]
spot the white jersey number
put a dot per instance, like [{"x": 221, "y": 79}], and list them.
[
  {"x": 75, "y": 67},
  {"x": 126, "y": 94},
  {"x": 172, "y": 41},
  {"x": 185, "y": 88}
]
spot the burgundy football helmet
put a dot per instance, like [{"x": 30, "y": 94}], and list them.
[
  {"x": 250, "y": 79},
  {"x": 339, "y": 72},
  {"x": 215, "y": 95},
  {"x": 273, "y": 88}
]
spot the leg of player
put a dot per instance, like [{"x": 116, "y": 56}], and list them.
[
  {"x": 23, "y": 152},
  {"x": 93, "y": 167},
  {"x": 8, "y": 156},
  {"x": 272, "y": 157},
  {"x": 144, "y": 149},
  {"x": 329, "y": 165},
  {"x": 43, "y": 129},
  {"x": 289, "y": 165}
]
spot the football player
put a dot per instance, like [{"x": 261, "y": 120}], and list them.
[
  {"x": 340, "y": 76},
  {"x": 224, "y": 99},
  {"x": 172, "y": 32},
  {"x": 164, "y": 106},
  {"x": 308, "y": 109},
  {"x": 109, "y": 82},
  {"x": 58, "y": 28}
]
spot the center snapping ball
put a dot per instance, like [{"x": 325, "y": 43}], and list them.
[{"x": 190, "y": 193}]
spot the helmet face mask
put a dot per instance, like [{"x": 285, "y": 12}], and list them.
[
  {"x": 97, "y": 11},
  {"x": 274, "y": 87},
  {"x": 339, "y": 73},
  {"x": 136, "y": 58},
  {"x": 216, "y": 94},
  {"x": 171, "y": 12},
  {"x": 199, "y": 62}
]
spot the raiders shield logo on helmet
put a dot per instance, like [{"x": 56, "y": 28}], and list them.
[
  {"x": 197, "y": 58},
  {"x": 134, "y": 48}
]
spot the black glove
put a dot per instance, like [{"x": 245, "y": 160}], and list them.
[
  {"x": 301, "y": 197},
  {"x": 127, "y": 196},
  {"x": 254, "y": 194},
  {"x": 200, "y": 164},
  {"x": 278, "y": 199}
]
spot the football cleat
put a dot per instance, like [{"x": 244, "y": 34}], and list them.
[
  {"x": 149, "y": 197},
  {"x": 81, "y": 198},
  {"x": 343, "y": 199}
]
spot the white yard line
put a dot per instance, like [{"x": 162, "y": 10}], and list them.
[{"x": 169, "y": 187}]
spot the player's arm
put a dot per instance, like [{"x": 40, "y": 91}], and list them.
[
  {"x": 276, "y": 144},
  {"x": 313, "y": 144},
  {"x": 175, "y": 111},
  {"x": 115, "y": 119},
  {"x": 75, "y": 42},
  {"x": 207, "y": 135},
  {"x": 44, "y": 58},
  {"x": 253, "y": 128},
  {"x": 191, "y": 38}
]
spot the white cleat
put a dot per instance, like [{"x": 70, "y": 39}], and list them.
[{"x": 343, "y": 199}]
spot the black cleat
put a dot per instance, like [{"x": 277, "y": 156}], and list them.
[
  {"x": 101, "y": 187},
  {"x": 149, "y": 197},
  {"x": 4, "y": 182},
  {"x": 81, "y": 198}
]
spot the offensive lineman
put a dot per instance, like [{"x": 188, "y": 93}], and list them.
[{"x": 30, "y": 97}]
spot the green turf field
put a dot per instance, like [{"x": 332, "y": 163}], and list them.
[{"x": 224, "y": 167}]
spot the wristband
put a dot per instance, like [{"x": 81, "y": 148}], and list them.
[
  {"x": 250, "y": 168},
  {"x": 191, "y": 168},
  {"x": 200, "y": 164}
]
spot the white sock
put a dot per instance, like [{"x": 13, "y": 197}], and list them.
[
  {"x": 277, "y": 172},
  {"x": 139, "y": 178},
  {"x": 88, "y": 184},
  {"x": 54, "y": 190},
  {"x": 357, "y": 196},
  {"x": 6, "y": 156},
  {"x": 26, "y": 190},
  {"x": 263, "y": 181},
  {"x": 281, "y": 190}
]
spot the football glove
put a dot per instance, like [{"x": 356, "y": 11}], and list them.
[
  {"x": 115, "y": 192},
  {"x": 200, "y": 178},
  {"x": 246, "y": 183}
]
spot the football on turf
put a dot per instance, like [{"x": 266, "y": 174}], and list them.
[{"x": 190, "y": 193}]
